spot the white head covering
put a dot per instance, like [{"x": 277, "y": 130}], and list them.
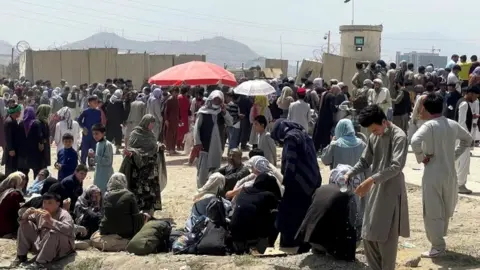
[
  {"x": 208, "y": 107},
  {"x": 117, "y": 96},
  {"x": 66, "y": 115}
]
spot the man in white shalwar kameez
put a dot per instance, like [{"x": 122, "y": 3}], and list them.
[
  {"x": 434, "y": 146},
  {"x": 465, "y": 117}
]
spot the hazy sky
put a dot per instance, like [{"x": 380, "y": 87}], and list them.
[{"x": 260, "y": 24}]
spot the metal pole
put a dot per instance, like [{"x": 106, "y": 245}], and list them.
[
  {"x": 297, "y": 68},
  {"x": 281, "y": 48},
  {"x": 353, "y": 12},
  {"x": 328, "y": 42}
]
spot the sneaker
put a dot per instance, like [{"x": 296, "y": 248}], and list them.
[
  {"x": 464, "y": 190},
  {"x": 36, "y": 266},
  {"x": 18, "y": 261},
  {"x": 433, "y": 253}
]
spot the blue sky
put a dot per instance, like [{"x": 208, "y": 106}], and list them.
[{"x": 300, "y": 25}]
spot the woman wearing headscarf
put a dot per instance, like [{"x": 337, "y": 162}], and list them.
[
  {"x": 301, "y": 177},
  {"x": 57, "y": 101},
  {"x": 325, "y": 122},
  {"x": 330, "y": 223},
  {"x": 38, "y": 141},
  {"x": 154, "y": 107},
  {"x": 88, "y": 210},
  {"x": 23, "y": 152},
  {"x": 144, "y": 166},
  {"x": 284, "y": 101},
  {"x": 11, "y": 197},
  {"x": 66, "y": 125},
  {"x": 257, "y": 163},
  {"x": 214, "y": 185},
  {"x": 37, "y": 184},
  {"x": 121, "y": 212},
  {"x": 260, "y": 107},
  {"x": 345, "y": 147},
  {"x": 44, "y": 99},
  {"x": 208, "y": 132},
  {"x": 253, "y": 218},
  {"x": 115, "y": 113}
]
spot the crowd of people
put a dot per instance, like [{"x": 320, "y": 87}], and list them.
[{"x": 239, "y": 207}]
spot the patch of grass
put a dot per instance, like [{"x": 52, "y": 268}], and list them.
[
  {"x": 86, "y": 264},
  {"x": 244, "y": 260}
]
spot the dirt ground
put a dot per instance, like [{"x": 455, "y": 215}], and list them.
[{"x": 177, "y": 201}]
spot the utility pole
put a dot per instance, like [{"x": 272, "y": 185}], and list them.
[
  {"x": 297, "y": 67},
  {"x": 281, "y": 48},
  {"x": 328, "y": 42},
  {"x": 353, "y": 12}
]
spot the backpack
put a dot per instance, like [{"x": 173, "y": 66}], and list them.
[
  {"x": 152, "y": 238},
  {"x": 216, "y": 211},
  {"x": 360, "y": 101},
  {"x": 213, "y": 241}
]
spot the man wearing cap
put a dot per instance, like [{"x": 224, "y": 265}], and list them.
[
  {"x": 12, "y": 143},
  {"x": 299, "y": 111},
  {"x": 467, "y": 120}
]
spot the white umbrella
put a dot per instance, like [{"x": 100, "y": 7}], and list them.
[{"x": 254, "y": 88}]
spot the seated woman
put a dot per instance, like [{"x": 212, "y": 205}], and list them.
[
  {"x": 329, "y": 225},
  {"x": 49, "y": 232},
  {"x": 345, "y": 147},
  {"x": 10, "y": 198},
  {"x": 89, "y": 211},
  {"x": 255, "y": 163},
  {"x": 253, "y": 218},
  {"x": 37, "y": 185},
  {"x": 215, "y": 183},
  {"x": 121, "y": 213}
]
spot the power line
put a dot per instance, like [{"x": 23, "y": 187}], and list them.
[{"x": 150, "y": 24}]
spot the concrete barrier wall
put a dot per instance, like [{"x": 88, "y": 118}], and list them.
[
  {"x": 159, "y": 63},
  {"x": 340, "y": 68},
  {"x": 96, "y": 65},
  {"x": 310, "y": 70},
  {"x": 133, "y": 67},
  {"x": 185, "y": 58},
  {"x": 102, "y": 64},
  {"x": 75, "y": 66},
  {"x": 47, "y": 66},
  {"x": 277, "y": 63}
]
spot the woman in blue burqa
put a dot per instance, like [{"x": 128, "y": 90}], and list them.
[{"x": 301, "y": 177}]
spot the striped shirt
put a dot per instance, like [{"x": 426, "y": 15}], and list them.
[{"x": 233, "y": 110}]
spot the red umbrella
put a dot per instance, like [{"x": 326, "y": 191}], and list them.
[{"x": 194, "y": 73}]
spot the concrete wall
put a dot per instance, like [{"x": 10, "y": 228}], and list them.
[
  {"x": 340, "y": 68},
  {"x": 185, "y": 58},
  {"x": 75, "y": 66},
  {"x": 133, "y": 67},
  {"x": 310, "y": 70},
  {"x": 372, "y": 38},
  {"x": 96, "y": 65},
  {"x": 47, "y": 66},
  {"x": 102, "y": 64},
  {"x": 159, "y": 63},
  {"x": 277, "y": 63},
  {"x": 25, "y": 64}
]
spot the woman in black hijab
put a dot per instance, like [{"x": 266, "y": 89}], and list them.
[
  {"x": 329, "y": 225},
  {"x": 253, "y": 216}
]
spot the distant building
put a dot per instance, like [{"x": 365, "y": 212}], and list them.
[{"x": 422, "y": 59}]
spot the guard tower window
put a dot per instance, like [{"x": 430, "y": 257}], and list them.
[{"x": 359, "y": 41}]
